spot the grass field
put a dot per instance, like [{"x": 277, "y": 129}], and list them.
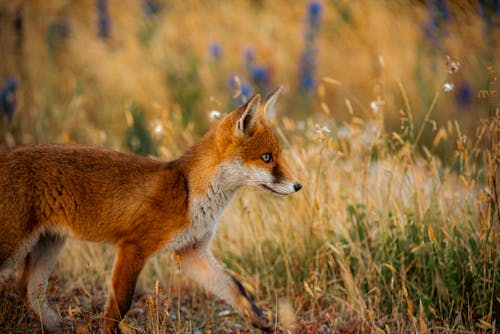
[{"x": 390, "y": 119}]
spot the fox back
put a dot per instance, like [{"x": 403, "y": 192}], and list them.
[{"x": 50, "y": 192}]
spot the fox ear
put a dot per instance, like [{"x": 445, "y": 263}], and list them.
[
  {"x": 249, "y": 116},
  {"x": 269, "y": 110}
]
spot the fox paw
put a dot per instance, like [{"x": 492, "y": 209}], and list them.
[{"x": 263, "y": 320}]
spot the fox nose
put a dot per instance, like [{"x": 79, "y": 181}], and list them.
[{"x": 297, "y": 186}]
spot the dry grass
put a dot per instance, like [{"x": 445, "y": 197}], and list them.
[{"x": 396, "y": 229}]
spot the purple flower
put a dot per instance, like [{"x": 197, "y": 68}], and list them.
[
  {"x": 314, "y": 10},
  {"x": 307, "y": 69},
  {"x": 8, "y": 102},
  {"x": 215, "y": 51},
  {"x": 307, "y": 64},
  {"x": 246, "y": 92},
  {"x": 249, "y": 55},
  {"x": 243, "y": 89},
  {"x": 260, "y": 75},
  {"x": 307, "y": 81},
  {"x": 442, "y": 9},
  {"x": 489, "y": 10},
  {"x": 103, "y": 20},
  {"x": 434, "y": 28},
  {"x": 234, "y": 81},
  {"x": 463, "y": 95}
]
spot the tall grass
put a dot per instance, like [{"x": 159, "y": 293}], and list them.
[
  {"x": 397, "y": 226},
  {"x": 400, "y": 241},
  {"x": 381, "y": 239}
]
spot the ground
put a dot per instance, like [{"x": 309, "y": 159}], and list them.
[{"x": 187, "y": 310}]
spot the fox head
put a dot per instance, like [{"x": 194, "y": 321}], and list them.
[{"x": 248, "y": 141}]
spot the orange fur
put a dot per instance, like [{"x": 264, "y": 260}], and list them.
[{"x": 49, "y": 192}]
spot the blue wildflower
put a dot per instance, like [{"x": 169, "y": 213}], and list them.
[
  {"x": 8, "y": 102},
  {"x": 442, "y": 10},
  {"x": 434, "y": 28},
  {"x": 463, "y": 95},
  {"x": 234, "y": 81},
  {"x": 246, "y": 92},
  {"x": 215, "y": 51},
  {"x": 489, "y": 10},
  {"x": 314, "y": 10},
  {"x": 243, "y": 90},
  {"x": 260, "y": 75},
  {"x": 307, "y": 64},
  {"x": 249, "y": 55},
  {"x": 307, "y": 81},
  {"x": 103, "y": 19},
  {"x": 307, "y": 69}
]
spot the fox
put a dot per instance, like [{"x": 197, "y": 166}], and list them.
[{"x": 51, "y": 192}]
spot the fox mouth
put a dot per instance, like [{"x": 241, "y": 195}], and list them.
[{"x": 266, "y": 187}]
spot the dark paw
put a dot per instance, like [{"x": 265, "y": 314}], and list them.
[{"x": 263, "y": 321}]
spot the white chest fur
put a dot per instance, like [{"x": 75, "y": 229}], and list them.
[{"x": 205, "y": 210}]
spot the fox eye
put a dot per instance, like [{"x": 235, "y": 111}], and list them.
[{"x": 266, "y": 157}]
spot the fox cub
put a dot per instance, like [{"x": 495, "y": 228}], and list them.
[{"x": 51, "y": 192}]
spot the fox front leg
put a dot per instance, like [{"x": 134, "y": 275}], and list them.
[
  {"x": 200, "y": 265},
  {"x": 128, "y": 265}
]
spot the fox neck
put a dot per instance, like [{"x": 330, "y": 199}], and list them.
[
  {"x": 206, "y": 168},
  {"x": 211, "y": 186},
  {"x": 207, "y": 206}
]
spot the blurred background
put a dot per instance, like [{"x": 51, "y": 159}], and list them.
[
  {"x": 114, "y": 73},
  {"x": 390, "y": 118}
]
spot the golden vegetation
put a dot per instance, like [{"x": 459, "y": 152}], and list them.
[{"x": 397, "y": 227}]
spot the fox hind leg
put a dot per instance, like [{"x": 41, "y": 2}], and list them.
[{"x": 33, "y": 284}]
